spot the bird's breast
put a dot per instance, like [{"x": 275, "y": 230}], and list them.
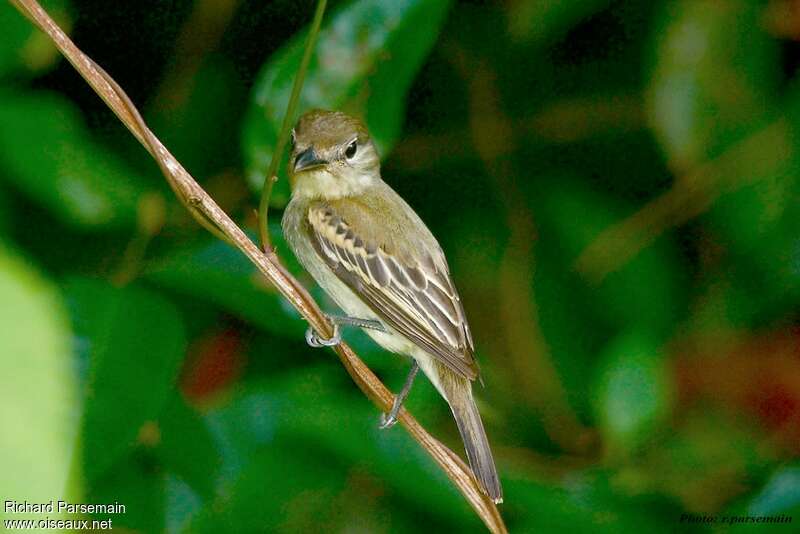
[{"x": 298, "y": 237}]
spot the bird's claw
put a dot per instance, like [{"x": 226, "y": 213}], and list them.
[
  {"x": 314, "y": 339},
  {"x": 388, "y": 420}
]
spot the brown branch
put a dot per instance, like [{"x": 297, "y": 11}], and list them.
[{"x": 212, "y": 216}]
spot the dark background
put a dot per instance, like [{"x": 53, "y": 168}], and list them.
[{"x": 614, "y": 184}]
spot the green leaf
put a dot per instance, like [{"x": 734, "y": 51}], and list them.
[
  {"x": 584, "y": 500},
  {"x": 780, "y": 495},
  {"x": 132, "y": 344},
  {"x": 366, "y": 57},
  {"x": 713, "y": 79},
  {"x": 47, "y": 153},
  {"x": 759, "y": 225},
  {"x": 221, "y": 274},
  {"x": 279, "y": 433},
  {"x": 706, "y": 458},
  {"x": 539, "y": 21},
  {"x": 292, "y": 478},
  {"x": 646, "y": 293},
  {"x": 6, "y": 209},
  {"x": 182, "y": 504},
  {"x": 38, "y": 390},
  {"x": 182, "y": 117},
  {"x": 23, "y": 46},
  {"x": 633, "y": 394},
  {"x": 137, "y": 482},
  {"x": 186, "y": 447},
  {"x": 715, "y": 83}
]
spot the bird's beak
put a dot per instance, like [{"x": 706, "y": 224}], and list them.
[{"x": 307, "y": 159}]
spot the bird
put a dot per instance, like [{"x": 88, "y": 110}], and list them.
[{"x": 379, "y": 262}]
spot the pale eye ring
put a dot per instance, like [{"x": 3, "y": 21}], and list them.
[{"x": 351, "y": 149}]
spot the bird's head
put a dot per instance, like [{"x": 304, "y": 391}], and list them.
[{"x": 332, "y": 155}]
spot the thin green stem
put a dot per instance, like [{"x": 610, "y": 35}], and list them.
[{"x": 283, "y": 138}]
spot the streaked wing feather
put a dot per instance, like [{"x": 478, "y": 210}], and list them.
[{"x": 418, "y": 300}]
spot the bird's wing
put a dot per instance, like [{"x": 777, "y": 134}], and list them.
[{"x": 411, "y": 293}]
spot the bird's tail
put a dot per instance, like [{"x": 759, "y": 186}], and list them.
[{"x": 478, "y": 452}]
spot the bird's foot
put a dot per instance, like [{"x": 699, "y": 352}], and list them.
[
  {"x": 315, "y": 340},
  {"x": 388, "y": 420}
]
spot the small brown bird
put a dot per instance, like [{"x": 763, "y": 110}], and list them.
[{"x": 376, "y": 258}]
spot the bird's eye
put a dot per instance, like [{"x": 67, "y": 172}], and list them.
[{"x": 350, "y": 151}]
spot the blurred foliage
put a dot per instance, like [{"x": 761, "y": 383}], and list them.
[
  {"x": 714, "y": 78},
  {"x": 367, "y": 56},
  {"x": 39, "y": 438},
  {"x": 26, "y": 50},
  {"x": 153, "y": 366},
  {"x": 220, "y": 274},
  {"x": 120, "y": 362},
  {"x": 48, "y": 154}
]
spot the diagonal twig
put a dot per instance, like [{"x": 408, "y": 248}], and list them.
[
  {"x": 283, "y": 135},
  {"x": 213, "y": 217}
]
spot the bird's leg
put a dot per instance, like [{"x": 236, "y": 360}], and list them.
[
  {"x": 389, "y": 420},
  {"x": 314, "y": 339},
  {"x": 369, "y": 324}
]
